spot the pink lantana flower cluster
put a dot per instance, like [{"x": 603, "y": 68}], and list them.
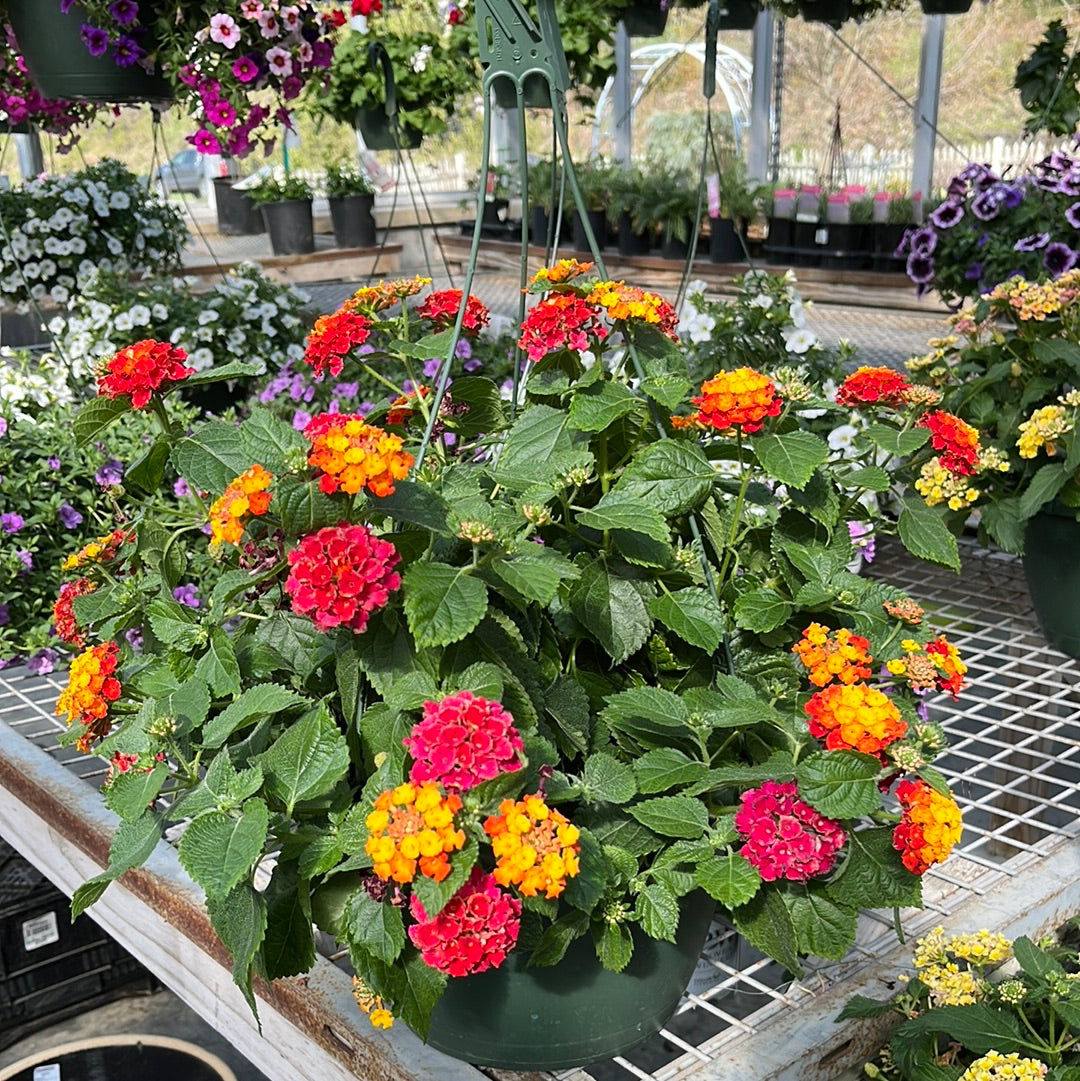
[
  {"x": 785, "y": 837},
  {"x": 475, "y": 931},
  {"x": 463, "y": 741}
]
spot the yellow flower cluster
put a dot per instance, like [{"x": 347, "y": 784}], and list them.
[
  {"x": 936, "y": 485},
  {"x": 413, "y": 824},
  {"x": 371, "y": 1004},
  {"x": 981, "y": 948},
  {"x": 246, "y": 495},
  {"x": 536, "y": 847},
  {"x": 561, "y": 272},
  {"x": 951, "y": 985},
  {"x": 1042, "y": 429},
  {"x": 994, "y": 1066},
  {"x": 375, "y": 298},
  {"x": 622, "y": 302}
]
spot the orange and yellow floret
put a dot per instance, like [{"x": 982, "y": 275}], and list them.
[
  {"x": 536, "y": 847},
  {"x": 929, "y": 826},
  {"x": 91, "y": 687},
  {"x": 739, "y": 399},
  {"x": 937, "y": 664},
  {"x": 412, "y": 827},
  {"x": 353, "y": 454},
  {"x": 854, "y": 718},
  {"x": 844, "y": 656},
  {"x": 246, "y": 495}
]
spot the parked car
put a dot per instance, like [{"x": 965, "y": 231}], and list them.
[{"x": 184, "y": 171}]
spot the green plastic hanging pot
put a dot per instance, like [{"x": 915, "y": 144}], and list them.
[
  {"x": 833, "y": 12},
  {"x": 61, "y": 67},
  {"x": 374, "y": 125},
  {"x": 572, "y": 1013},
  {"x": 1052, "y": 569}
]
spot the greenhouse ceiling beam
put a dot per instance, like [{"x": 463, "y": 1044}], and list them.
[
  {"x": 931, "y": 58},
  {"x": 757, "y": 155}
]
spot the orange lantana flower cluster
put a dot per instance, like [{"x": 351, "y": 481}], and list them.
[
  {"x": 377, "y": 298},
  {"x": 844, "y": 656},
  {"x": 536, "y": 847},
  {"x": 937, "y": 664},
  {"x": 353, "y": 454},
  {"x": 624, "y": 302},
  {"x": 400, "y": 410},
  {"x": 929, "y": 827},
  {"x": 561, "y": 272},
  {"x": 956, "y": 442},
  {"x": 91, "y": 687},
  {"x": 102, "y": 550},
  {"x": 855, "y": 718},
  {"x": 866, "y": 386},
  {"x": 246, "y": 495},
  {"x": 740, "y": 399},
  {"x": 413, "y": 826}
]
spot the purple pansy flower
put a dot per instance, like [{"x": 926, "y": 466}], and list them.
[
  {"x": 923, "y": 241},
  {"x": 69, "y": 516},
  {"x": 920, "y": 268},
  {"x": 986, "y": 205},
  {"x": 1072, "y": 215},
  {"x": 947, "y": 215},
  {"x": 1033, "y": 242}
]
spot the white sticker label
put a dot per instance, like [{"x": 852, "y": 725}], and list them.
[
  {"x": 47, "y": 1073},
  {"x": 38, "y": 932}
]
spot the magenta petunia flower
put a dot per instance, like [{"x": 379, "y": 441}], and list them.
[
  {"x": 245, "y": 69},
  {"x": 205, "y": 142}
]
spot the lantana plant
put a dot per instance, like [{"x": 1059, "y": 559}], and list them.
[{"x": 482, "y": 673}]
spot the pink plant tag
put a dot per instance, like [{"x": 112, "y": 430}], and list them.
[{"x": 712, "y": 186}]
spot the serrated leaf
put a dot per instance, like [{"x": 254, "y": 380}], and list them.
[
  {"x": 298, "y": 644},
  {"x": 228, "y": 586},
  {"x": 611, "y": 609},
  {"x": 765, "y": 922},
  {"x": 840, "y": 784},
  {"x": 442, "y": 603},
  {"x": 761, "y": 610},
  {"x": 1034, "y": 961},
  {"x": 239, "y": 918},
  {"x": 95, "y": 416},
  {"x": 174, "y": 624},
  {"x": 978, "y": 1027},
  {"x": 924, "y": 535},
  {"x": 692, "y": 614},
  {"x": 791, "y": 458},
  {"x": 595, "y": 408},
  {"x": 218, "y": 850},
  {"x": 131, "y": 847},
  {"x": 657, "y": 910},
  {"x": 288, "y": 947},
  {"x": 187, "y": 705},
  {"x": 825, "y": 927},
  {"x": 306, "y": 760},
  {"x": 148, "y": 470},
  {"x": 873, "y": 876},
  {"x": 618, "y": 512},
  {"x": 435, "y": 895},
  {"x": 604, "y": 778},
  {"x": 410, "y": 984},
  {"x": 264, "y": 700},
  {"x": 664, "y": 768},
  {"x": 269, "y": 441},
  {"x": 646, "y": 711},
  {"x": 1043, "y": 486},
  {"x": 129, "y": 794},
  {"x": 567, "y": 705},
  {"x": 304, "y": 508},
  {"x": 859, "y": 1006},
  {"x": 535, "y": 573},
  {"x": 556, "y": 938},
  {"x": 898, "y": 443},
  {"x": 376, "y": 926},
  {"x": 672, "y": 816},
  {"x": 91, "y": 608},
  {"x": 537, "y": 445},
  {"x": 415, "y": 504},
  {"x": 672, "y": 477},
  {"x": 614, "y": 946},
  {"x": 235, "y": 369},
  {"x": 871, "y": 478},
  {"x": 211, "y": 457},
  {"x": 217, "y": 667},
  {"x": 730, "y": 879},
  {"x": 585, "y": 890}
]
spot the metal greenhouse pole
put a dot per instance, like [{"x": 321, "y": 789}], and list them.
[
  {"x": 760, "y": 142},
  {"x": 931, "y": 57}
]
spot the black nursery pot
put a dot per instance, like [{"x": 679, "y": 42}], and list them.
[
  {"x": 237, "y": 212},
  {"x": 353, "y": 221},
  {"x": 886, "y": 239},
  {"x": 598, "y": 221},
  {"x": 290, "y": 225},
  {"x": 629, "y": 242},
  {"x": 724, "y": 243}
]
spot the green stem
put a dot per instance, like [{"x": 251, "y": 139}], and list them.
[{"x": 729, "y": 547}]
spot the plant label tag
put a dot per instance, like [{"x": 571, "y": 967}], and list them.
[
  {"x": 712, "y": 185},
  {"x": 40, "y": 931},
  {"x": 47, "y": 1073},
  {"x": 358, "y": 23}
]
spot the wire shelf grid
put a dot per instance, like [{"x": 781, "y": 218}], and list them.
[{"x": 1013, "y": 762}]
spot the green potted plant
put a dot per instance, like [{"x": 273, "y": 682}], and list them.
[
  {"x": 352, "y": 198},
  {"x": 1009, "y": 368},
  {"x": 628, "y": 211},
  {"x": 672, "y": 205},
  {"x": 285, "y": 201},
  {"x": 509, "y": 727},
  {"x": 740, "y": 202},
  {"x": 595, "y": 178}
]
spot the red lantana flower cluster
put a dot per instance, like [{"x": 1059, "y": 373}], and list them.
[
  {"x": 141, "y": 369},
  {"x": 441, "y": 310},
  {"x": 340, "y": 575},
  {"x": 560, "y": 321},
  {"x": 956, "y": 442},
  {"x": 475, "y": 931},
  {"x": 785, "y": 837},
  {"x": 929, "y": 827},
  {"x": 67, "y": 625},
  {"x": 91, "y": 687},
  {"x": 353, "y": 454},
  {"x": 872, "y": 386},
  {"x": 333, "y": 337},
  {"x": 462, "y": 742}
]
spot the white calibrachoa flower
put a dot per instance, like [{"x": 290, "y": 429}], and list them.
[{"x": 799, "y": 340}]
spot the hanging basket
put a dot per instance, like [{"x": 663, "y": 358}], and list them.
[
  {"x": 378, "y": 133},
  {"x": 61, "y": 67},
  {"x": 644, "y": 19},
  {"x": 833, "y": 12},
  {"x": 575, "y": 1012},
  {"x": 1053, "y": 575}
]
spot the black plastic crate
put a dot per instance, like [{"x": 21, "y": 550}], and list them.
[{"x": 51, "y": 968}]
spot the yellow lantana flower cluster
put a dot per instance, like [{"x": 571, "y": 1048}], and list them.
[
  {"x": 246, "y": 495},
  {"x": 1042, "y": 430},
  {"x": 413, "y": 826},
  {"x": 536, "y": 846},
  {"x": 936, "y": 485},
  {"x": 994, "y": 1066}
]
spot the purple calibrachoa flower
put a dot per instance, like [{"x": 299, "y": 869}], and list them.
[
  {"x": 124, "y": 11},
  {"x": 127, "y": 51},
  {"x": 26, "y": 559},
  {"x": 54, "y": 463},
  {"x": 245, "y": 69},
  {"x": 187, "y": 595},
  {"x": 112, "y": 472},
  {"x": 69, "y": 516},
  {"x": 3, "y": 427},
  {"x": 42, "y": 662},
  {"x": 301, "y": 419},
  {"x": 5, "y": 615},
  {"x": 134, "y": 638},
  {"x": 181, "y": 488},
  {"x": 974, "y": 272},
  {"x": 1059, "y": 258},
  {"x": 95, "y": 39},
  {"x": 862, "y": 537},
  {"x": 11, "y": 522}
]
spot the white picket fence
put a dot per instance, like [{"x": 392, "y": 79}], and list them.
[{"x": 879, "y": 169}]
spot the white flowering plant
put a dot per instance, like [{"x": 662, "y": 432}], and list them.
[
  {"x": 56, "y": 232},
  {"x": 980, "y": 1007},
  {"x": 245, "y": 317}
]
